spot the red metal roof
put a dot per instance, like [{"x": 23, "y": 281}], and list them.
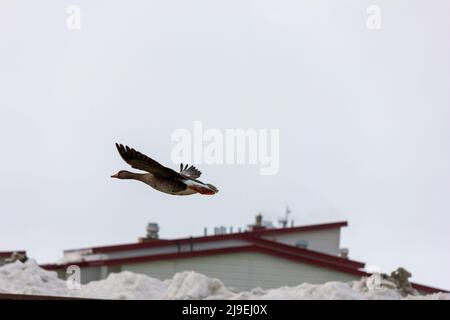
[
  {"x": 230, "y": 236},
  {"x": 281, "y": 247}
]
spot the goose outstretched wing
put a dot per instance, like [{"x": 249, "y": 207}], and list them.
[{"x": 138, "y": 160}]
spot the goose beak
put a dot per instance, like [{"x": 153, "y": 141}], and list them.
[{"x": 115, "y": 176}]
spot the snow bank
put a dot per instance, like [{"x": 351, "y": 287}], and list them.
[
  {"x": 124, "y": 285},
  {"x": 29, "y": 278},
  {"x": 193, "y": 285}
]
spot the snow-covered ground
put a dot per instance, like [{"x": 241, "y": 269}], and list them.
[{"x": 29, "y": 278}]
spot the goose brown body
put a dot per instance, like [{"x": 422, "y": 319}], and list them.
[{"x": 162, "y": 178}]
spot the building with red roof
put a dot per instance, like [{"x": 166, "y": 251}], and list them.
[{"x": 261, "y": 256}]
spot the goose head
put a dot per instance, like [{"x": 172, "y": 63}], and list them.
[{"x": 123, "y": 174}]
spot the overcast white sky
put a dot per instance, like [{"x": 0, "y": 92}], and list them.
[{"x": 364, "y": 120}]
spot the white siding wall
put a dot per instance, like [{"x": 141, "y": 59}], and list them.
[
  {"x": 243, "y": 271},
  {"x": 326, "y": 241},
  {"x": 89, "y": 274}
]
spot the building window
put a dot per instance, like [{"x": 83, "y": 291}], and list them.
[{"x": 301, "y": 244}]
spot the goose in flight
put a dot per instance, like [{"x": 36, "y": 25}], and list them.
[{"x": 162, "y": 178}]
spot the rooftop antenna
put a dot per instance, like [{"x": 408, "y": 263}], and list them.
[{"x": 284, "y": 221}]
